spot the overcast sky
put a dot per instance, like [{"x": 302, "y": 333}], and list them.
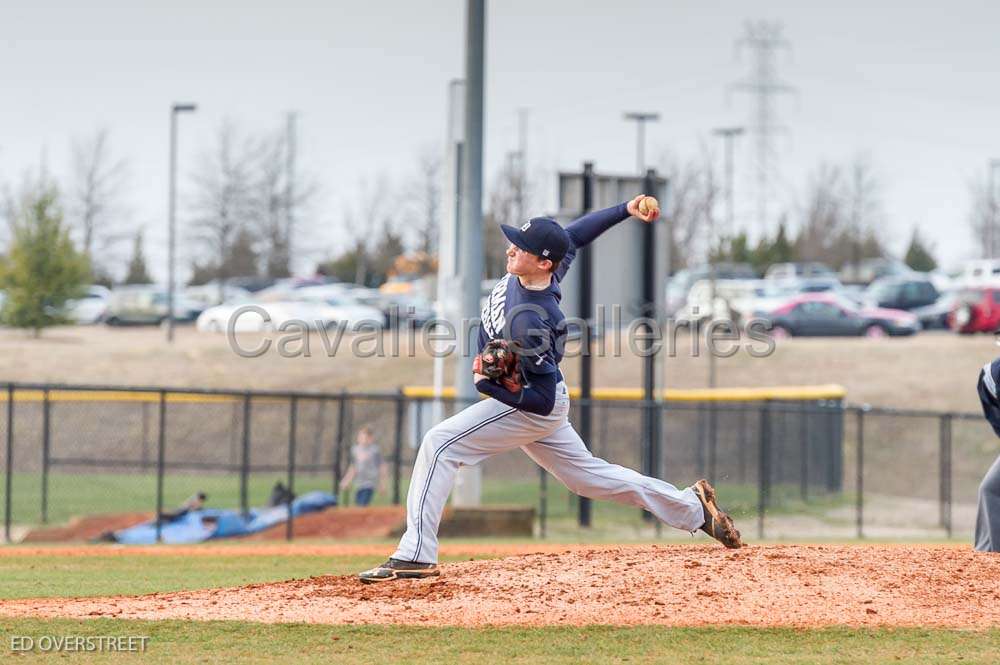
[{"x": 913, "y": 88}]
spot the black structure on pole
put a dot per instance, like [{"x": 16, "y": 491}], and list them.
[
  {"x": 161, "y": 446},
  {"x": 860, "y": 470},
  {"x": 245, "y": 456},
  {"x": 9, "y": 479},
  {"x": 763, "y": 472},
  {"x": 543, "y": 500},
  {"x": 945, "y": 470},
  {"x": 339, "y": 443},
  {"x": 648, "y": 307},
  {"x": 397, "y": 455},
  {"x": 46, "y": 452},
  {"x": 293, "y": 410},
  {"x": 586, "y": 315},
  {"x": 804, "y": 451}
]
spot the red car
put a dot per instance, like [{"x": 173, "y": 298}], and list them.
[{"x": 976, "y": 310}]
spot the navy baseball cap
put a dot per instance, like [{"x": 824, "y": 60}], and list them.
[{"x": 541, "y": 236}]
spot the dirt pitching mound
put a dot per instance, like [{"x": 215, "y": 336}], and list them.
[{"x": 788, "y": 585}]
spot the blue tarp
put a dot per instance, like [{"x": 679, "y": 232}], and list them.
[{"x": 200, "y": 525}]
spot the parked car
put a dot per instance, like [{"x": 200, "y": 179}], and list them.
[
  {"x": 334, "y": 305},
  {"x": 976, "y": 310},
  {"x": 217, "y": 319},
  {"x": 782, "y": 271},
  {"x": 213, "y": 293},
  {"x": 907, "y": 293},
  {"x": 823, "y": 314},
  {"x": 936, "y": 314},
  {"x": 869, "y": 270},
  {"x": 91, "y": 307},
  {"x": 679, "y": 285},
  {"x": 145, "y": 305},
  {"x": 981, "y": 272}
]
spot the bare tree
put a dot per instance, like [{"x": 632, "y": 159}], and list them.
[
  {"x": 690, "y": 207},
  {"x": 503, "y": 208},
  {"x": 424, "y": 194},
  {"x": 864, "y": 205},
  {"x": 99, "y": 180},
  {"x": 222, "y": 203},
  {"x": 278, "y": 197},
  {"x": 824, "y": 216}
]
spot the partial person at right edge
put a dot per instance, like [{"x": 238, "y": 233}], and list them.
[{"x": 987, "y": 535}]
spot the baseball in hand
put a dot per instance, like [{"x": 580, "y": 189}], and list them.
[{"x": 648, "y": 205}]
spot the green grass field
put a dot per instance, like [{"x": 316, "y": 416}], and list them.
[
  {"x": 229, "y": 642},
  {"x": 237, "y": 642}
]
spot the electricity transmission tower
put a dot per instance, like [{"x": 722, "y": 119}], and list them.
[{"x": 764, "y": 40}]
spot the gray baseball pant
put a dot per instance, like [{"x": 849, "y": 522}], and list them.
[
  {"x": 490, "y": 427},
  {"x": 988, "y": 517}
]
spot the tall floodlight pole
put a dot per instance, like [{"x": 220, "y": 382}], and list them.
[
  {"x": 467, "y": 490},
  {"x": 172, "y": 221},
  {"x": 728, "y": 135},
  {"x": 641, "y": 119}
]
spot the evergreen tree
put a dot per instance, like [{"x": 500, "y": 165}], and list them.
[
  {"x": 137, "y": 272},
  {"x": 42, "y": 269},
  {"x": 918, "y": 256}
]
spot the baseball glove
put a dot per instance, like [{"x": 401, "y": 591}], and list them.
[{"x": 499, "y": 363}]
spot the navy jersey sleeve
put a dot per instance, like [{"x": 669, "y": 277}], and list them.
[
  {"x": 586, "y": 229},
  {"x": 537, "y": 396}
]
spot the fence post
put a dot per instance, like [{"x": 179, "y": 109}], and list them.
[
  {"x": 713, "y": 440},
  {"x": 860, "y": 471},
  {"x": 804, "y": 451},
  {"x": 543, "y": 500},
  {"x": 145, "y": 436},
  {"x": 945, "y": 472},
  {"x": 46, "y": 454},
  {"x": 743, "y": 441},
  {"x": 293, "y": 409},
  {"x": 245, "y": 457},
  {"x": 161, "y": 444},
  {"x": 397, "y": 462},
  {"x": 700, "y": 443},
  {"x": 337, "y": 453},
  {"x": 9, "y": 480},
  {"x": 763, "y": 472}
]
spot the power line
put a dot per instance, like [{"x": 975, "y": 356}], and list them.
[{"x": 764, "y": 39}]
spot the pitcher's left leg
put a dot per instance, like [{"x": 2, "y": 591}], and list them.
[{"x": 564, "y": 456}]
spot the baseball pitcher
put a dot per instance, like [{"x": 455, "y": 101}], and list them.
[
  {"x": 528, "y": 402},
  {"x": 987, "y": 536}
]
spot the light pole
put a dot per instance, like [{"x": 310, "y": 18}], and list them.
[
  {"x": 728, "y": 135},
  {"x": 172, "y": 222},
  {"x": 641, "y": 119}
]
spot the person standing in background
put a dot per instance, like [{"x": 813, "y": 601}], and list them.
[{"x": 366, "y": 472}]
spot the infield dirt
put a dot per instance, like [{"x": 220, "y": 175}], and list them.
[{"x": 686, "y": 585}]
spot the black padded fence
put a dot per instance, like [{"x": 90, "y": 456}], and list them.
[{"x": 784, "y": 468}]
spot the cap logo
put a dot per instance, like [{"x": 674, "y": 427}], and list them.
[
  {"x": 545, "y": 252},
  {"x": 526, "y": 225}
]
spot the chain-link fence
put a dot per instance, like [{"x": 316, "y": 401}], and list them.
[{"x": 807, "y": 469}]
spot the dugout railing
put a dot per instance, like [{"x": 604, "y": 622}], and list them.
[{"x": 786, "y": 467}]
